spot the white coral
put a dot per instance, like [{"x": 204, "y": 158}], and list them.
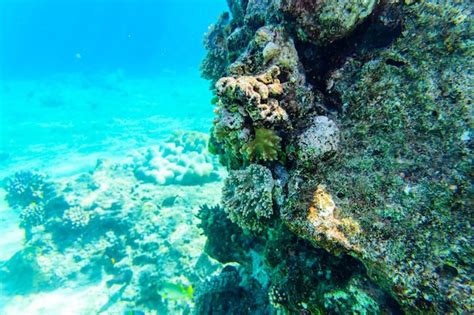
[{"x": 321, "y": 138}]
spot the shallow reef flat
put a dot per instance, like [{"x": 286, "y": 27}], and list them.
[{"x": 346, "y": 127}]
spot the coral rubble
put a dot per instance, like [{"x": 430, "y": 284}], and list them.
[{"x": 361, "y": 114}]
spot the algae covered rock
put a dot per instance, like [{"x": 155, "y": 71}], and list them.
[{"x": 328, "y": 20}]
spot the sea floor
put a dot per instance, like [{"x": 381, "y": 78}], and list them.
[{"x": 61, "y": 126}]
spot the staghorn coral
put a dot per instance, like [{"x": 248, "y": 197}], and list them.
[{"x": 247, "y": 197}]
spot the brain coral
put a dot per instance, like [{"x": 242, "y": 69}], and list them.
[{"x": 247, "y": 197}]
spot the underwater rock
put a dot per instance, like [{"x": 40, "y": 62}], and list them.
[
  {"x": 386, "y": 85},
  {"x": 225, "y": 294},
  {"x": 223, "y": 234},
  {"x": 323, "y": 22}
]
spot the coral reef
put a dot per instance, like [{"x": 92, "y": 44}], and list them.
[
  {"x": 182, "y": 159},
  {"x": 32, "y": 215},
  {"x": 361, "y": 113}
]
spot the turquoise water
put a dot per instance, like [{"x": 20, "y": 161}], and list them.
[{"x": 87, "y": 88}]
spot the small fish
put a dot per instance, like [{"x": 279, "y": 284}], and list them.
[
  {"x": 173, "y": 291},
  {"x": 169, "y": 201},
  {"x": 113, "y": 260}
]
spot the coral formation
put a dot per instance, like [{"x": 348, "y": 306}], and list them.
[
  {"x": 76, "y": 218},
  {"x": 318, "y": 141},
  {"x": 247, "y": 197},
  {"x": 369, "y": 104},
  {"x": 182, "y": 159},
  {"x": 265, "y": 146},
  {"x": 32, "y": 215},
  {"x": 27, "y": 187}
]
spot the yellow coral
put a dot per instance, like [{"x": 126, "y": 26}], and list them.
[{"x": 330, "y": 229}]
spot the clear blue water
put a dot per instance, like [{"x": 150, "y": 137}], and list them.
[{"x": 82, "y": 81}]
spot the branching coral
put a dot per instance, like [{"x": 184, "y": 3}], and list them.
[
  {"x": 32, "y": 215},
  {"x": 26, "y": 187},
  {"x": 247, "y": 197},
  {"x": 76, "y": 218}
]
